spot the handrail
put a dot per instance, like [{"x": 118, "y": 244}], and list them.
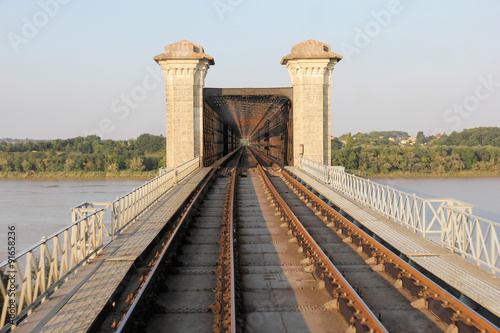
[
  {"x": 452, "y": 220},
  {"x": 58, "y": 257},
  {"x": 472, "y": 237},
  {"x": 49, "y": 262}
]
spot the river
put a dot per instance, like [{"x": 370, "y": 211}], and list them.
[
  {"x": 41, "y": 207},
  {"x": 482, "y": 192}
]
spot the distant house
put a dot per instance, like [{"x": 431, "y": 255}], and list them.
[
  {"x": 438, "y": 136},
  {"x": 391, "y": 139},
  {"x": 412, "y": 139}
]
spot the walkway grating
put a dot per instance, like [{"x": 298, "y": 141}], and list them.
[
  {"x": 75, "y": 306},
  {"x": 471, "y": 280}
]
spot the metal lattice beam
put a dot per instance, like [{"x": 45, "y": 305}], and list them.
[{"x": 245, "y": 113}]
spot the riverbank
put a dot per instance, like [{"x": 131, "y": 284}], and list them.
[
  {"x": 125, "y": 174},
  {"x": 400, "y": 174},
  {"x": 80, "y": 175}
]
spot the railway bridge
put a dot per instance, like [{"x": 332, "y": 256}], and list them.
[
  {"x": 260, "y": 238},
  {"x": 281, "y": 122}
]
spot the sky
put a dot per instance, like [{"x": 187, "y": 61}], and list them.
[{"x": 67, "y": 66}]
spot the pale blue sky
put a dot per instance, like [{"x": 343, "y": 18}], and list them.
[{"x": 431, "y": 65}]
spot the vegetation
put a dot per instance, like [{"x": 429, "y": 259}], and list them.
[
  {"x": 471, "y": 152},
  {"x": 480, "y": 136},
  {"x": 82, "y": 157}
]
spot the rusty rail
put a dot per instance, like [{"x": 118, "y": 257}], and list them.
[
  {"x": 183, "y": 214},
  {"x": 225, "y": 310},
  {"x": 132, "y": 319},
  {"x": 345, "y": 298},
  {"x": 449, "y": 309}
]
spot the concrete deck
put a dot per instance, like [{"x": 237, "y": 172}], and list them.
[{"x": 471, "y": 280}]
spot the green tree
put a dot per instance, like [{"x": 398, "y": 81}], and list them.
[
  {"x": 18, "y": 163},
  {"x": 136, "y": 164},
  {"x": 352, "y": 161},
  {"x": 468, "y": 157},
  {"x": 150, "y": 143},
  {"x": 27, "y": 165},
  {"x": 112, "y": 167},
  {"x": 336, "y": 144},
  {"x": 420, "y": 138}
]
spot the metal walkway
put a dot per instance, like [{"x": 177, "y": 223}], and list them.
[
  {"x": 75, "y": 306},
  {"x": 472, "y": 281}
]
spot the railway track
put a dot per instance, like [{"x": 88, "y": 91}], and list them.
[{"x": 255, "y": 251}]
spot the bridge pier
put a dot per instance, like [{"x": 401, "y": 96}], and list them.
[
  {"x": 310, "y": 66},
  {"x": 185, "y": 66}
]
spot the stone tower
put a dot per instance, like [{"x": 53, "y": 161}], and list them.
[
  {"x": 185, "y": 66},
  {"x": 310, "y": 66}
]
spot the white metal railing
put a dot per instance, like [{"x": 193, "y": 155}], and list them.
[
  {"x": 43, "y": 267},
  {"x": 472, "y": 237},
  {"x": 40, "y": 269},
  {"x": 161, "y": 171},
  {"x": 185, "y": 169},
  {"x": 451, "y": 220},
  {"x": 126, "y": 208}
]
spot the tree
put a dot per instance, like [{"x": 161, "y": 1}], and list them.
[
  {"x": 420, "y": 138},
  {"x": 5, "y": 165},
  {"x": 352, "y": 161},
  {"x": 26, "y": 164},
  {"x": 18, "y": 163},
  {"x": 336, "y": 144},
  {"x": 349, "y": 141},
  {"x": 150, "y": 143},
  {"x": 112, "y": 167},
  {"x": 468, "y": 157},
  {"x": 136, "y": 164}
]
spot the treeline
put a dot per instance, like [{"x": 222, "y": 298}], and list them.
[
  {"x": 475, "y": 150},
  {"x": 387, "y": 134},
  {"x": 479, "y": 136},
  {"x": 82, "y": 154}
]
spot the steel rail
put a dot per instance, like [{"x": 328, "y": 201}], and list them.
[
  {"x": 185, "y": 213},
  {"x": 231, "y": 243},
  {"x": 346, "y": 299},
  {"x": 436, "y": 299},
  {"x": 233, "y": 263},
  {"x": 226, "y": 316}
]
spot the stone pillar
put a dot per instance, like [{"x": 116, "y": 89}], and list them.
[
  {"x": 310, "y": 66},
  {"x": 185, "y": 66}
]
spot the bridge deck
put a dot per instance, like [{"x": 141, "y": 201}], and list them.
[
  {"x": 75, "y": 306},
  {"x": 472, "y": 281}
]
